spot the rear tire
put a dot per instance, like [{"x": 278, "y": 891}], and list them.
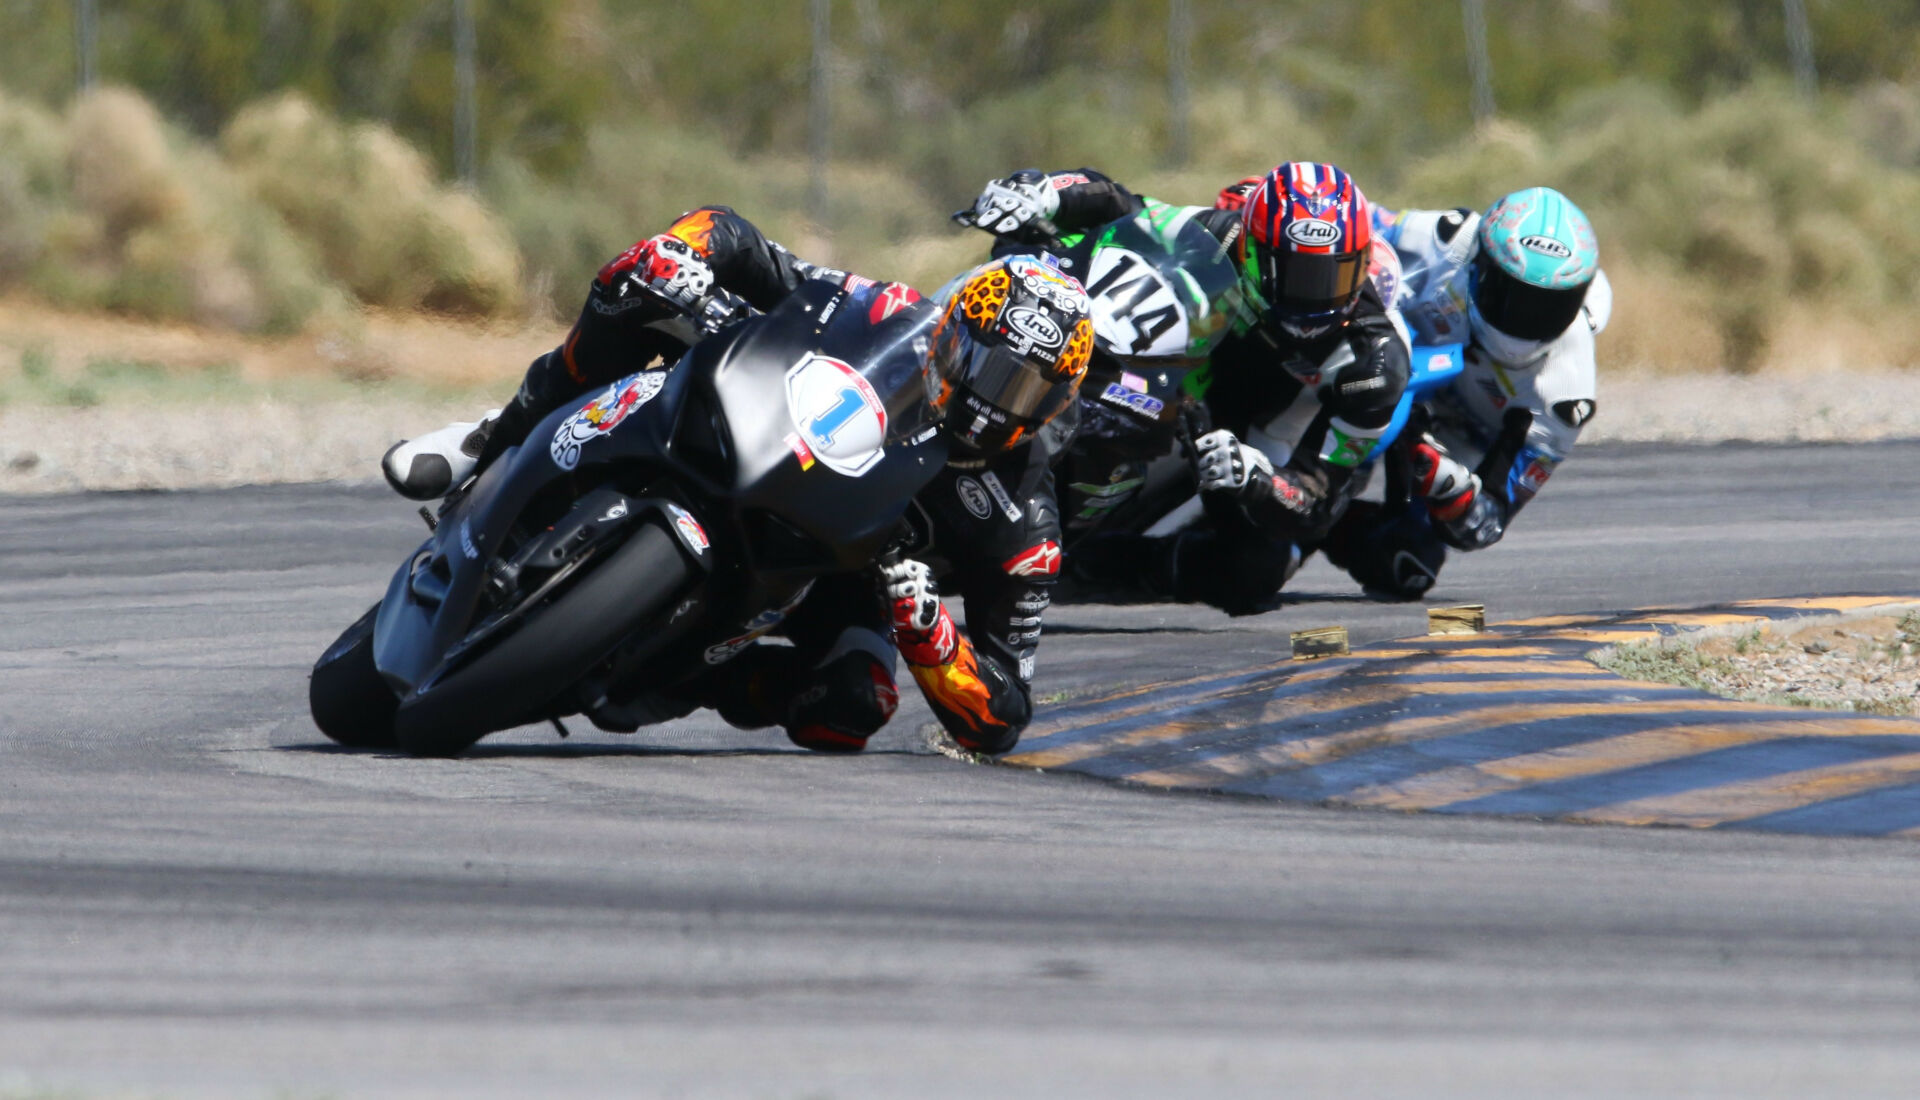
[
  {"x": 349, "y": 700},
  {"x": 516, "y": 681}
]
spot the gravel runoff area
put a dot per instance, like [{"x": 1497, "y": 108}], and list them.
[
  {"x": 1868, "y": 662},
  {"x": 128, "y": 442}
]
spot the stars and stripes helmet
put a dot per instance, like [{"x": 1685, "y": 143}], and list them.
[{"x": 1308, "y": 239}]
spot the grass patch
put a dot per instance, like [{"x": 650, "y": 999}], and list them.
[
  {"x": 39, "y": 381},
  {"x": 1860, "y": 665},
  {"x": 1666, "y": 662}
]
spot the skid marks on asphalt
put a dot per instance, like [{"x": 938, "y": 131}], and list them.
[{"x": 1512, "y": 722}]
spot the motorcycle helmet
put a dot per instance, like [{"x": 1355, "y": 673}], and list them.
[
  {"x": 1308, "y": 241},
  {"x": 1234, "y": 195},
  {"x": 1008, "y": 352},
  {"x": 1536, "y": 258}
]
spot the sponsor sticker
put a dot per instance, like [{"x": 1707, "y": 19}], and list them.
[
  {"x": 1000, "y": 497},
  {"x": 1038, "y": 329},
  {"x": 1313, "y": 233},
  {"x": 1039, "y": 561},
  {"x": 1116, "y": 394},
  {"x": 892, "y": 298},
  {"x": 467, "y": 546},
  {"x": 800, "y": 451},
  {"x": 974, "y": 497},
  {"x": 1539, "y": 467},
  {"x": 603, "y": 414},
  {"x": 839, "y": 416},
  {"x": 690, "y": 530},
  {"x": 1049, "y": 283},
  {"x": 1546, "y": 246}
]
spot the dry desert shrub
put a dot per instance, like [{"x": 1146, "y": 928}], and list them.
[
  {"x": 1752, "y": 208},
  {"x": 384, "y": 227},
  {"x": 153, "y": 225}
]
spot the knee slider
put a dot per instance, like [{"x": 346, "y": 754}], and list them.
[
  {"x": 847, "y": 697},
  {"x": 1395, "y": 555}
]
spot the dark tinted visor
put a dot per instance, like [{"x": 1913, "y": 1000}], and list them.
[
  {"x": 1304, "y": 282},
  {"x": 1519, "y": 309},
  {"x": 999, "y": 377}
]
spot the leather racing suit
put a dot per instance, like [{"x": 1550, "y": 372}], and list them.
[
  {"x": 990, "y": 527},
  {"x": 1471, "y": 459},
  {"x": 1311, "y": 406}
]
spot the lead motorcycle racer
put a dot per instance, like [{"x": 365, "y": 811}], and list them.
[
  {"x": 1007, "y": 345},
  {"x": 1521, "y": 286},
  {"x": 1297, "y": 398}
]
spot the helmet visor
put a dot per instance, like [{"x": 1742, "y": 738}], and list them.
[
  {"x": 1308, "y": 282},
  {"x": 997, "y": 376},
  {"x": 1522, "y": 309}
]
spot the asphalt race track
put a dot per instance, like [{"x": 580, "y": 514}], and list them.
[{"x": 200, "y": 896}]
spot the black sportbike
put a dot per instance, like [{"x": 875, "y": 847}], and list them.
[{"x": 644, "y": 534}]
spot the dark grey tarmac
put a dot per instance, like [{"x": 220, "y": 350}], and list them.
[{"x": 199, "y": 896}]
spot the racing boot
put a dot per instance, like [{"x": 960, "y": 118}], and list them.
[{"x": 429, "y": 466}]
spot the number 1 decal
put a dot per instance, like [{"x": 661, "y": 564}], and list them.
[{"x": 824, "y": 426}]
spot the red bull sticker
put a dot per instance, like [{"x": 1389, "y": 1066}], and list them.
[{"x": 603, "y": 414}]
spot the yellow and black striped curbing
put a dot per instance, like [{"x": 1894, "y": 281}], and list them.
[{"x": 1512, "y": 722}]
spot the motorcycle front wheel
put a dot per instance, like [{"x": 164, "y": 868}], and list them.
[
  {"x": 515, "y": 681},
  {"x": 349, "y": 701}
]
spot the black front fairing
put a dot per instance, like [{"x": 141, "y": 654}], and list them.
[{"x": 716, "y": 438}]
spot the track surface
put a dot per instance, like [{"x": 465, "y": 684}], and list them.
[{"x": 198, "y": 896}]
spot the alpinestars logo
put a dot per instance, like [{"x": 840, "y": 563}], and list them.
[{"x": 1041, "y": 561}]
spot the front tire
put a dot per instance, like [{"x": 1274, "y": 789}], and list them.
[
  {"x": 517, "y": 680},
  {"x": 349, "y": 700}
]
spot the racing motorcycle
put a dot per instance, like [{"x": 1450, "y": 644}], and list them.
[
  {"x": 1164, "y": 292},
  {"x": 642, "y": 535}
]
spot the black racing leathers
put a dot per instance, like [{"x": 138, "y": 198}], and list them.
[
  {"x": 622, "y": 327},
  {"x": 1245, "y": 547},
  {"x": 989, "y": 528}
]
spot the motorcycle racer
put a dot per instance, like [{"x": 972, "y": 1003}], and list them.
[
  {"x": 1005, "y": 346},
  {"x": 1297, "y": 398},
  {"x": 1521, "y": 286}
]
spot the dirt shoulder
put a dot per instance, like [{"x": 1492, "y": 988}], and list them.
[
  {"x": 92, "y": 402},
  {"x": 1868, "y": 663}
]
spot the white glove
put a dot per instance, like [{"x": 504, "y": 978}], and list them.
[
  {"x": 1008, "y": 205},
  {"x": 908, "y": 588},
  {"x": 1227, "y": 465},
  {"x": 670, "y": 268}
]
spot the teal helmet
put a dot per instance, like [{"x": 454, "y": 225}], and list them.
[{"x": 1537, "y": 255}]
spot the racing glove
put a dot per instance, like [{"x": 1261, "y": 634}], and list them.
[
  {"x": 922, "y": 630},
  {"x": 1231, "y": 470},
  {"x": 1006, "y": 206},
  {"x": 668, "y": 270},
  {"x": 1450, "y": 488}
]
